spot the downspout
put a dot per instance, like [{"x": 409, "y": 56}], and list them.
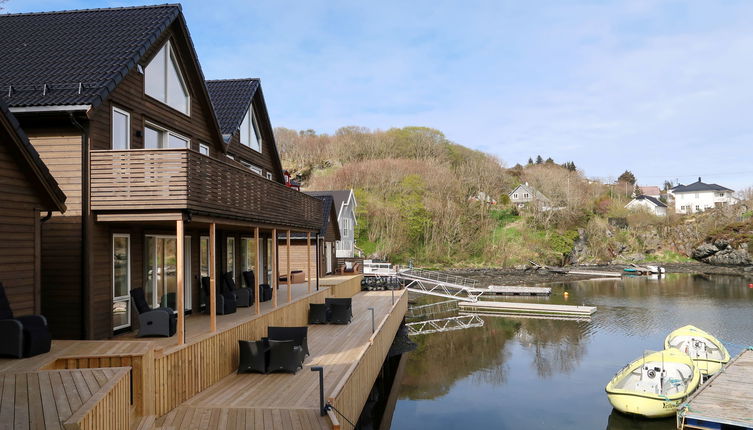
[
  {"x": 46, "y": 217},
  {"x": 85, "y": 230},
  {"x": 318, "y": 257}
]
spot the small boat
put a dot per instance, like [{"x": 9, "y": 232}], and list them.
[
  {"x": 706, "y": 351},
  {"x": 645, "y": 270},
  {"x": 654, "y": 385}
]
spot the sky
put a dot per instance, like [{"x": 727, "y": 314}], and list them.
[{"x": 661, "y": 88}]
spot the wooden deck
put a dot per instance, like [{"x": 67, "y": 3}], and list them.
[
  {"x": 286, "y": 401},
  {"x": 725, "y": 399}
]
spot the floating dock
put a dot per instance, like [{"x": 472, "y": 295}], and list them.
[
  {"x": 527, "y": 309},
  {"x": 724, "y": 401},
  {"x": 596, "y": 273},
  {"x": 502, "y": 290}
]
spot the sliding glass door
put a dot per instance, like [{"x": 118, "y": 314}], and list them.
[
  {"x": 121, "y": 281},
  {"x": 161, "y": 271}
]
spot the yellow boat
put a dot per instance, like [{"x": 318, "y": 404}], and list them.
[
  {"x": 654, "y": 385},
  {"x": 706, "y": 351}
]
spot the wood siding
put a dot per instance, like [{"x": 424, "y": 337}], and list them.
[
  {"x": 20, "y": 203},
  {"x": 298, "y": 256}
]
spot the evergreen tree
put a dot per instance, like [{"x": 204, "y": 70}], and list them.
[
  {"x": 549, "y": 161},
  {"x": 627, "y": 176},
  {"x": 530, "y": 161},
  {"x": 539, "y": 160}
]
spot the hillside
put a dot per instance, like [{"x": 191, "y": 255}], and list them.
[{"x": 424, "y": 198}]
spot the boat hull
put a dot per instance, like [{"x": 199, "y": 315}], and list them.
[{"x": 649, "y": 407}]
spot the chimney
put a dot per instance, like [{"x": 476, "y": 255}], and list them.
[{"x": 699, "y": 179}]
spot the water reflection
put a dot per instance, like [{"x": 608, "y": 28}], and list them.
[{"x": 527, "y": 373}]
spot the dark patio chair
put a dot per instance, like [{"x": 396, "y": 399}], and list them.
[
  {"x": 250, "y": 280},
  {"x": 341, "y": 310},
  {"x": 242, "y": 295},
  {"x": 24, "y": 336},
  {"x": 253, "y": 356},
  {"x": 153, "y": 322},
  {"x": 317, "y": 313},
  {"x": 297, "y": 334},
  {"x": 285, "y": 355},
  {"x": 265, "y": 292},
  {"x": 225, "y": 300}
]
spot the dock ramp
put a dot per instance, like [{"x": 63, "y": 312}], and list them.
[
  {"x": 440, "y": 284},
  {"x": 444, "y": 324}
]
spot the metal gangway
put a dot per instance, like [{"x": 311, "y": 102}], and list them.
[
  {"x": 440, "y": 284},
  {"x": 428, "y": 310},
  {"x": 444, "y": 324}
]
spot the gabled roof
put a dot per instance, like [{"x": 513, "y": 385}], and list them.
[
  {"x": 652, "y": 200},
  {"x": 231, "y": 99},
  {"x": 328, "y": 213},
  {"x": 32, "y": 162},
  {"x": 533, "y": 192},
  {"x": 341, "y": 197},
  {"x": 698, "y": 186},
  {"x": 650, "y": 190},
  {"x": 74, "y": 57}
]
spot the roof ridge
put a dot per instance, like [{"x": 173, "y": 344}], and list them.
[
  {"x": 233, "y": 80},
  {"x": 97, "y": 9}
]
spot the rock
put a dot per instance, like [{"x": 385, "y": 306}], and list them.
[
  {"x": 748, "y": 269},
  {"x": 721, "y": 244},
  {"x": 704, "y": 250},
  {"x": 730, "y": 257},
  {"x": 521, "y": 267}
]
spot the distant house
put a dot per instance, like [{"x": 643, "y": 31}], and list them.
[
  {"x": 649, "y": 203},
  {"x": 345, "y": 203},
  {"x": 322, "y": 244},
  {"x": 524, "y": 194},
  {"x": 700, "y": 196},
  {"x": 651, "y": 191},
  {"x": 483, "y": 197}
]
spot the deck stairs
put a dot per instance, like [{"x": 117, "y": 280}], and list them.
[
  {"x": 444, "y": 324},
  {"x": 440, "y": 284}
]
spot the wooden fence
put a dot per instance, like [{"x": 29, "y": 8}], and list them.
[
  {"x": 349, "y": 396},
  {"x": 108, "y": 408}
]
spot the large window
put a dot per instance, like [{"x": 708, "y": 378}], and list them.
[
  {"x": 160, "y": 138},
  {"x": 121, "y": 281},
  {"x": 161, "y": 271},
  {"x": 121, "y": 129},
  {"x": 248, "y": 255},
  {"x": 230, "y": 256},
  {"x": 164, "y": 82},
  {"x": 250, "y": 135}
]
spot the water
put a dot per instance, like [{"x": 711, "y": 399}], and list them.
[{"x": 543, "y": 374}]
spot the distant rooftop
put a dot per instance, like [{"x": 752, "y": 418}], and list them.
[{"x": 699, "y": 186}]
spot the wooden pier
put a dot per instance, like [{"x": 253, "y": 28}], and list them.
[
  {"x": 724, "y": 401},
  {"x": 506, "y": 290},
  {"x": 527, "y": 309}
]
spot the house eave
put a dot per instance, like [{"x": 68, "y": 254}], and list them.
[{"x": 58, "y": 108}]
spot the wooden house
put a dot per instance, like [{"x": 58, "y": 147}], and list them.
[
  {"x": 345, "y": 204},
  {"x": 160, "y": 193},
  {"x": 322, "y": 255},
  {"x": 28, "y": 195}
]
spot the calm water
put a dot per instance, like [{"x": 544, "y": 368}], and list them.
[{"x": 543, "y": 374}]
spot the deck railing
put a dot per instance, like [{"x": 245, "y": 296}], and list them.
[{"x": 183, "y": 179}]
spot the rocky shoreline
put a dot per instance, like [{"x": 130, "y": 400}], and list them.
[{"x": 531, "y": 275}]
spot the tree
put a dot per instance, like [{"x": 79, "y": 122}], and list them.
[
  {"x": 539, "y": 160},
  {"x": 668, "y": 185},
  {"x": 627, "y": 176},
  {"x": 637, "y": 191},
  {"x": 570, "y": 166},
  {"x": 530, "y": 161},
  {"x": 549, "y": 161}
]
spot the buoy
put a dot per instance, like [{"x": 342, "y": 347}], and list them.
[
  {"x": 750, "y": 285},
  {"x": 567, "y": 294}
]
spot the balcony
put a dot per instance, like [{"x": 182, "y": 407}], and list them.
[{"x": 183, "y": 179}]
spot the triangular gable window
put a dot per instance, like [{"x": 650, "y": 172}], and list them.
[
  {"x": 164, "y": 81},
  {"x": 249, "y": 131}
]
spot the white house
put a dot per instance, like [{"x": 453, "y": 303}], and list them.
[
  {"x": 524, "y": 194},
  {"x": 345, "y": 204},
  {"x": 648, "y": 203},
  {"x": 700, "y": 196}
]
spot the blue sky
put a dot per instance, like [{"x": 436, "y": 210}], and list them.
[{"x": 663, "y": 88}]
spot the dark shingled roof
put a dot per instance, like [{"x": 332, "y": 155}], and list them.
[
  {"x": 35, "y": 164},
  {"x": 231, "y": 99},
  {"x": 339, "y": 196},
  {"x": 653, "y": 200},
  {"x": 698, "y": 186},
  {"x": 328, "y": 206},
  {"x": 75, "y": 57}
]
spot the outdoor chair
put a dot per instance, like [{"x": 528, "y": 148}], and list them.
[
  {"x": 296, "y": 277},
  {"x": 24, "y": 336},
  {"x": 341, "y": 310},
  {"x": 243, "y": 296},
  {"x": 225, "y": 302},
  {"x": 250, "y": 279},
  {"x": 265, "y": 292},
  {"x": 297, "y": 334},
  {"x": 169, "y": 300},
  {"x": 253, "y": 356},
  {"x": 317, "y": 313},
  {"x": 285, "y": 355},
  {"x": 153, "y": 322}
]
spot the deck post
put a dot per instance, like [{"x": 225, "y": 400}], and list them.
[
  {"x": 290, "y": 281},
  {"x": 179, "y": 251},
  {"x": 257, "y": 272},
  {"x": 212, "y": 281},
  {"x": 318, "y": 257},
  {"x": 275, "y": 269},
  {"x": 308, "y": 260}
]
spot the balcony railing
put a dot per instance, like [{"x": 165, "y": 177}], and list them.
[{"x": 183, "y": 179}]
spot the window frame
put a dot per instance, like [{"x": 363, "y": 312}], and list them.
[
  {"x": 204, "y": 149},
  {"x": 167, "y": 132},
  {"x": 127, "y": 297},
  {"x": 269, "y": 176},
  {"x": 253, "y": 127},
  {"x": 169, "y": 56},
  {"x": 229, "y": 239},
  {"x": 112, "y": 128}
]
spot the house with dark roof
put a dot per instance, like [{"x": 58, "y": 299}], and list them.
[
  {"x": 525, "y": 195},
  {"x": 29, "y": 195},
  {"x": 700, "y": 196},
  {"x": 345, "y": 203},
  {"x": 314, "y": 251},
  {"x": 648, "y": 203},
  {"x": 163, "y": 171}
]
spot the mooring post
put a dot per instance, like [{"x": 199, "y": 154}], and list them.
[
  {"x": 322, "y": 408},
  {"x": 373, "y": 328},
  {"x": 393, "y": 297}
]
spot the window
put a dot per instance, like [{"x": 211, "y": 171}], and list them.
[
  {"x": 121, "y": 281},
  {"x": 121, "y": 129},
  {"x": 525, "y": 196},
  {"x": 230, "y": 254},
  {"x": 160, "y": 138},
  {"x": 269, "y": 175},
  {"x": 697, "y": 207},
  {"x": 720, "y": 194},
  {"x": 161, "y": 284},
  {"x": 248, "y": 255},
  {"x": 230, "y": 157},
  {"x": 515, "y": 196},
  {"x": 164, "y": 82},
  {"x": 249, "y": 131},
  {"x": 204, "y": 149},
  {"x": 204, "y": 256}
]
